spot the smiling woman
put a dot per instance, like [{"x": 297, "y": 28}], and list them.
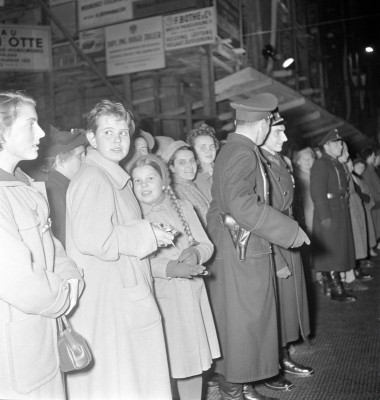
[{"x": 38, "y": 282}]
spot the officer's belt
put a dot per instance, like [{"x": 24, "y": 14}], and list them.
[{"x": 337, "y": 195}]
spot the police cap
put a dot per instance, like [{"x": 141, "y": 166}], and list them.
[
  {"x": 256, "y": 108},
  {"x": 331, "y": 136}
]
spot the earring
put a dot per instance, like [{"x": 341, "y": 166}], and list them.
[{"x": 95, "y": 146}]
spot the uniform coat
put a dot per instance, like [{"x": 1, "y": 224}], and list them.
[
  {"x": 117, "y": 314},
  {"x": 56, "y": 189},
  {"x": 333, "y": 248},
  {"x": 292, "y": 297},
  {"x": 373, "y": 181},
  {"x": 34, "y": 291},
  {"x": 188, "y": 323},
  {"x": 242, "y": 294}
]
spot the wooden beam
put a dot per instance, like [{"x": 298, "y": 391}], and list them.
[
  {"x": 292, "y": 104},
  {"x": 208, "y": 83},
  {"x": 323, "y": 129},
  {"x": 307, "y": 118}
]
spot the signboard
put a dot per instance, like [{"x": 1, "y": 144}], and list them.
[
  {"x": 95, "y": 13},
  {"x": 191, "y": 28},
  {"x": 92, "y": 41},
  {"x": 53, "y": 3},
  {"x": 135, "y": 46},
  {"x": 148, "y": 8},
  {"x": 25, "y": 48},
  {"x": 65, "y": 56}
]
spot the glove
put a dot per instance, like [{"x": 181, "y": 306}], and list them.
[
  {"x": 301, "y": 238},
  {"x": 283, "y": 273},
  {"x": 177, "y": 269},
  {"x": 326, "y": 223},
  {"x": 189, "y": 255}
]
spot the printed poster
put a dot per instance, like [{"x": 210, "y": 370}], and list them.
[
  {"x": 25, "y": 48},
  {"x": 96, "y": 13},
  {"x": 191, "y": 28},
  {"x": 135, "y": 46}
]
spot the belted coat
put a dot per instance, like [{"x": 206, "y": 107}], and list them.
[
  {"x": 117, "y": 314},
  {"x": 242, "y": 293},
  {"x": 333, "y": 247},
  {"x": 34, "y": 291},
  {"x": 292, "y": 297}
]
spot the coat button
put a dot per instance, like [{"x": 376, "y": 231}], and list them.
[
  {"x": 278, "y": 178},
  {"x": 285, "y": 193}
]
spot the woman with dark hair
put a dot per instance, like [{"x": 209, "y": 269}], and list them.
[
  {"x": 181, "y": 294},
  {"x": 183, "y": 167},
  {"x": 206, "y": 145},
  {"x": 39, "y": 283},
  {"x": 107, "y": 237}
]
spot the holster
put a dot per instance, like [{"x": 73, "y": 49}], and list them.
[{"x": 239, "y": 235}]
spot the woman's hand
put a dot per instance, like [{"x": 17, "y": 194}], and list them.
[
  {"x": 163, "y": 238},
  {"x": 283, "y": 273},
  {"x": 177, "y": 269}
]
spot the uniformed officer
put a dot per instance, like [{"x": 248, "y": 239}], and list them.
[
  {"x": 242, "y": 289},
  {"x": 292, "y": 298},
  {"x": 333, "y": 243}
]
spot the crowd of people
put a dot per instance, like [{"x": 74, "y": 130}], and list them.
[{"x": 181, "y": 262}]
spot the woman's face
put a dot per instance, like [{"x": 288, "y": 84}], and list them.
[
  {"x": 111, "y": 137},
  {"x": 23, "y": 137},
  {"x": 306, "y": 161},
  {"x": 205, "y": 148},
  {"x": 184, "y": 165},
  {"x": 359, "y": 168},
  {"x": 147, "y": 185},
  {"x": 141, "y": 146}
]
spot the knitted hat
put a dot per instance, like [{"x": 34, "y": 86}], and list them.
[
  {"x": 146, "y": 159},
  {"x": 162, "y": 143},
  {"x": 172, "y": 148},
  {"x": 148, "y": 137},
  {"x": 63, "y": 141}
]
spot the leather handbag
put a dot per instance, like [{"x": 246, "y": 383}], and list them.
[{"x": 73, "y": 351}]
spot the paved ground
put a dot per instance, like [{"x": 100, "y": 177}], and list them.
[{"x": 344, "y": 349}]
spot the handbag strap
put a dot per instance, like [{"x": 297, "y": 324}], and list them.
[{"x": 63, "y": 324}]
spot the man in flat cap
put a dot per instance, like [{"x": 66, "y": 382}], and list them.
[
  {"x": 242, "y": 226},
  {"x": 333, "y": 243},
  {"x": 64, "y": 154}
]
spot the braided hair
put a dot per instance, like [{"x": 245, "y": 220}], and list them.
[{"x": 158, "y": 165}]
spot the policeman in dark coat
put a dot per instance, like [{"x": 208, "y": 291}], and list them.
[
  {"x": 292, "y": 298},
  {"x": 333, "y": 243},
  {"x": 242, "y": 288}
]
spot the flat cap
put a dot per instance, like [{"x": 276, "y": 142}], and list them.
[
  {"x": 331, "y": 136},
  {"x": 63, "y": 141},
  {"x": 256, "y": 108}
]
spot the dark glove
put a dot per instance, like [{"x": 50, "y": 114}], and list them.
[
  {"x": 326, "y": 223},
  {"x": 189, "y": 255},
  {"x": 176, "y": 269},
  {"x": 301, "y": 238}
]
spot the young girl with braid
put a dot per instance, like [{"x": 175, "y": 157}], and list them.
[{"x": 177, "y": 270}]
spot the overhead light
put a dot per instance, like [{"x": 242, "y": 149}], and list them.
[
  {"x": 288, "y": 62},
  {"x": 369, "y": 49}
]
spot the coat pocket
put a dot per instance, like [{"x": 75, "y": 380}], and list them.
[
  {"x": 140, "y": 308},
  {"x": 32, "y": 352}
]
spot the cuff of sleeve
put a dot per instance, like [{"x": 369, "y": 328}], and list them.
[{"x": 61, "y": 303}]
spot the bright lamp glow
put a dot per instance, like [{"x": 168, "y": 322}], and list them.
[
  {"x": 369, "y": 49},
  {"x": 288, "y": 62}
]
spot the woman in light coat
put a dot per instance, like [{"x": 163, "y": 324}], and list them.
[
  {"x": 38, "y": 282},
  {"x": 106, "y": 236},
  {"x": 180, "y": 291}
]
